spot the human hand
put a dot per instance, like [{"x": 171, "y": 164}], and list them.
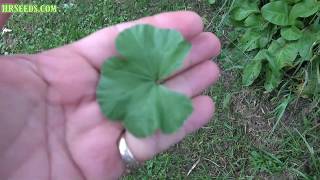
[{"x": 51, "y": 126}]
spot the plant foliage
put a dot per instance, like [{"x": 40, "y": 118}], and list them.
[
  {"x": 284, "y": 36},
  {"x": 130, "y": 89}
]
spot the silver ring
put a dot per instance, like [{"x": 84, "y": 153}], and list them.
[{"x": 126, "y": 155}]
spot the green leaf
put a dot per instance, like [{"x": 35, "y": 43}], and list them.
[
  {"x": 276, "y": 12},
  {"x": 272, "y": 63},
  {"x": 291, "y": 33},
  {"x": 276, "y": 45},
  {"x": 255, "y": 38},
  {"x": 255, "y": 20},
  {"x": 293, "y": 1},
  {"x": 283, "y": 53},
  {"x": 280, "y": 54},
  {"x": 251, "y": 72},
  {"x": 305, "y": 8},
  {"x": 129, "y": 90},
  {"x": 253, "y": 69},
  {"x": 273, "y": 79},
  {"x": 263, "y": 42},
  {"x": 306, "y": 43},
  {"x": 211, "y": 2},
  {"x": 244, "y": 9},
  {"x": 236, "y": 24},
  {"x": 250, "y": 40},
  {"x": 266, "y": 36}
]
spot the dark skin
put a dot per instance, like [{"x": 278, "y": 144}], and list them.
[{"x": 51, "y": 126}]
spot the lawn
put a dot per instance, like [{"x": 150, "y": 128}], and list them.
[{"x": 238, "y": 142}]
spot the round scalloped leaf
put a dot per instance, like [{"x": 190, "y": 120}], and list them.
[{"x": 129, "y": 89}]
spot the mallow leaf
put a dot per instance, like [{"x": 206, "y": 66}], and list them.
[{"x": 130, "y": 89}]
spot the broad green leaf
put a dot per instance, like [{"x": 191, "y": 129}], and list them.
[
  {"x": 255, "y": 38},
  {"x": 291, "y": 33},
  {"x": 263, "y": 42},
  {"x": 284, "y": 53},
  {"x": 253, "y": 69},
  {"x": 238, "y": 3},
  {"x": 211, "y": 2},
  {"x": 236, "y": 24},
  {"x": 250, "y": 40},
  {"x": 306, "y": 43},
  {"x": 261, "y": 55},
  {"x": 293, "y": 1},
  {"x": 305, "y": 8},
  {"x": 243, "y": 10},
  {"x": 280, "y": 54},
  {"x": 273, "y": 79},
  {"x": 256, "y": 21},
  {"x": 272, "y": 63},
  {"x": 276, "y": 12},
  {"x": 276, "y": 45},
  {"x": 266, "y": 36},
  {"x": 287, "y": 54},
  {"x": 129, "y": 89}
]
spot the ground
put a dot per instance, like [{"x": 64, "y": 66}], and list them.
[{"x": 238, "y": 142}]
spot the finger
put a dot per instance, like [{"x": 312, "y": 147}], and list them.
[
  {"x": 144, "y": 149},
  {"x": 193, "y": 81},
  {"x": 101, "y": 45},
  {"x": 204, "y": 46}
]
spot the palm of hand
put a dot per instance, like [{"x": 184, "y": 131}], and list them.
[{"x": 59, "y": 125}]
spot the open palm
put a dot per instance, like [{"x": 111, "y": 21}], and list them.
[{"x": 51, "y": 126}]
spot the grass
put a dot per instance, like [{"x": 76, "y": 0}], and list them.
[{"x": 237, "y": 143}]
